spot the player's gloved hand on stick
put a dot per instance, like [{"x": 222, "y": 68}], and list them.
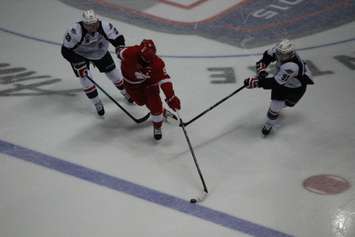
[
  {"x": 262, "y": 75},
  {"x": 80, "y": 69},
  {"x": 260, "y": 66},
  {"x": 173, "y": 102},
  {"x": 251, "y": 82},
  {"x": 261, "y": 70},
  {"x": 118, "y": 50}
]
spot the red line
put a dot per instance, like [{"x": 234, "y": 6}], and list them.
[{"x": 186, "y": 7}]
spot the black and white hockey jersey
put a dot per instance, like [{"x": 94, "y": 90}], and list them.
[
  {"x": 78, "y": 43},
  {"x": 293, "y": 73}
]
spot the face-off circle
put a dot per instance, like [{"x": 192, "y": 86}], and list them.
[{"x": 326, "y": 184}]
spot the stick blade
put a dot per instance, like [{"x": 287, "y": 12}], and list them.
[
  {"x": 199, "y": 198},
  {"x": 143, "y": 119}
]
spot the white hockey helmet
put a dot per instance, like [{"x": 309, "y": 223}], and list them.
[
  {"x": 89, "y": 17},
  {"x": 285, "y": 50}
]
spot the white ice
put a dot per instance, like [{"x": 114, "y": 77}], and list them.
[{"x": 249, "y": 177}]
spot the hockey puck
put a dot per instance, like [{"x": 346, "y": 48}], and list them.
[{"x": 193, "y": 200}]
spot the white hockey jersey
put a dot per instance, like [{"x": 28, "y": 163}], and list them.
[
  {"x": 290, "y": 74},
  {"x": 90, "y": 45}
]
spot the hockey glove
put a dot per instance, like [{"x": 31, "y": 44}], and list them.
[
  {"x": 261, "y": 70},
  {"x": 260, "y": 66},
  {"x": 262, "y": 75},
  {"x": 118, "y": 51},
  {"x": 173, "y": 102},
  {"x": 171, "y": 99},
  {"x": 251, "y": 82},
  {"x": 80, "y": 69}
]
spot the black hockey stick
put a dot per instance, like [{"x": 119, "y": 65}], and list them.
[
  {"x": 204, "y": 194},
  {"x": 137, "y": 120},
  {"x": 213, "y": 106}
]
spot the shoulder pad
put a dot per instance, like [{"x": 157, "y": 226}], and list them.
[
  {"x": 289, "y": 67},
  {"x": 72, "y": 36},
  {"x": 158, "y": 63},
  {"x": 131, "y": 51},
  {"x": 109, "y": 29}
]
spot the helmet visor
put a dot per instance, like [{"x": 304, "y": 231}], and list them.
[{"x": 284, "y": 56}]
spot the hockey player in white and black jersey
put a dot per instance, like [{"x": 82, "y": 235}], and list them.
[
  {"x": 288, "y": 84},
  {"x": 86, "y": 42}
]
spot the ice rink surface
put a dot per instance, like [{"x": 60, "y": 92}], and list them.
[{"x": 66, "y": 172}]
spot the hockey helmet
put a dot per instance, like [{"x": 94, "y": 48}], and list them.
[
  {"x": 147, "y": 50},
  {"x": 89, "y": 17},
  {"x": 285, "y": 50}
]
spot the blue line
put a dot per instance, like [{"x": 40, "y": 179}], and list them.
[
  {"x": 188, "y": 56},
  {"x": 138, "y": 191},
  {"x": 28, "y": 37}
]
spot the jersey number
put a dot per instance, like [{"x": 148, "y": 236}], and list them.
[{"x": 285, "y": 77}]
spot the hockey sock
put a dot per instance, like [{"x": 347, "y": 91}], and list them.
[
  {"x": 116, "y": 78},
  {"x": 274, "y": 111}
]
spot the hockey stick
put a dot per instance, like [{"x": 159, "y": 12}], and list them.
[
  {"x": 137, "y": 120},
  {"x": 204, "y": 194},
  {"x": 215, "y": 105}
]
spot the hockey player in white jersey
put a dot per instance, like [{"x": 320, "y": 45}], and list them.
[
  {"x": 288, "y": 84},
  {"x": 86, "y": 42}
]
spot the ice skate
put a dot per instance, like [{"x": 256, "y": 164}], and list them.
[
  {"x": 266, "y": 129},
  {"x": 157, "y": 133},
  {"x": 100, "y": 108}
]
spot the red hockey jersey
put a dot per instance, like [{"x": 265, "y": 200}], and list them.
[{"x": 134, "y": 74}]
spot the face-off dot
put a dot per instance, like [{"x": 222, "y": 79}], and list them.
[{"x": 326, "y": 184}]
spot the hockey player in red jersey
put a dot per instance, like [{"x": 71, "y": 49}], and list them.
[{"x": 144, "y": 75}]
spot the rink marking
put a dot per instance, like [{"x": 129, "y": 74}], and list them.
[
  {"x": 188, "y": 56},
  {"x": 138, "y": 191}
]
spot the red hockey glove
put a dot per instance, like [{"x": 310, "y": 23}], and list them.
[
  {"x": 171, "y": 99},
  {"x": 251, "y": 82},
  {"x": 173, "y": 102}
]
